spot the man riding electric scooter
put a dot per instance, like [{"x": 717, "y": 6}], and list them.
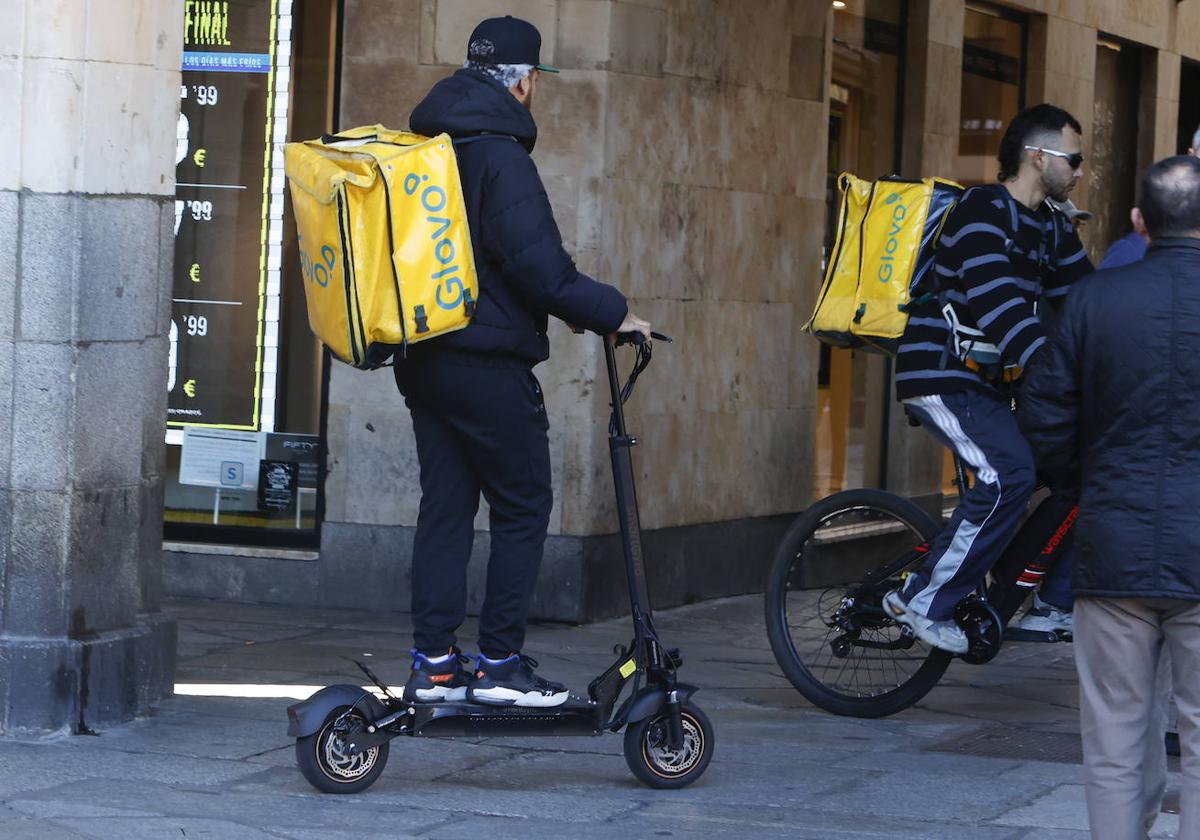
[
  {"x": 477, "y": 409},
  {"x": 480, "y": 426}
]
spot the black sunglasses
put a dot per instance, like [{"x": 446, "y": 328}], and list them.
[{"x": 1074, "y": 160}]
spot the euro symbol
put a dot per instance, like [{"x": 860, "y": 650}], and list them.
[
  {"x": 194, "y": 273},
  {"x": 199, "y": 157},
  {"x": 189, "y": 388}
]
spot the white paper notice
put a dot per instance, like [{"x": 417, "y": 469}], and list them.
[{"x": 220, "y": 458}]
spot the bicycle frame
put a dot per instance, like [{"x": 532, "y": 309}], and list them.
[
  {"x": 840, "y": 628},
  {"x": 1040, "y": 542}
]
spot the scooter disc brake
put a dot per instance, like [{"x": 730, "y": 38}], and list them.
[
  {"x": 672, "y": 761},
  {"x": 337, "y": 758}
]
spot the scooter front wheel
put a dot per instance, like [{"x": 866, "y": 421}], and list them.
[
  {"x": 325, "y": 760},
  {"x": 649, "y": 754}
]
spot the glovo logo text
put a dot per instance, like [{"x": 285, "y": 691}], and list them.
[
  {"x": 887, "y": 262},
  {"x": 448, "y": 284},
  {"x": 320, "y": 269}
]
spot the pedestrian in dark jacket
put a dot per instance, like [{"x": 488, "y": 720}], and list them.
[
  {"x": 477, "y": 409},
  {"x": 1114, "y": 408},
  {"x": 1132, "y": 246}
]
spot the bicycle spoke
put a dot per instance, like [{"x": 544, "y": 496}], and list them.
[{"x": 861, "y": 671}]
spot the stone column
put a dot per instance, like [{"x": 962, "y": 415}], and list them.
[
  {"x": 1183, "y": 35},
  {"x": 1159, "y": 118},
  {"x": 933, "y": 86},
  {"x": 88, "y": 105}
]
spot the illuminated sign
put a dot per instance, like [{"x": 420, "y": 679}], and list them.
[{"x": 224, "y": 329}]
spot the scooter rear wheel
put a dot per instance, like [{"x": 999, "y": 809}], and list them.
[
  {"x": 325, "y": 761},
  {"x": 650, "y": 757}
]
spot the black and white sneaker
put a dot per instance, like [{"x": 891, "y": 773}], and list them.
[
  {"x": 1047, "y": 618},
  {"x": 1042, "y": 622},
  {"x": 438, "y": 679},
  {"x": 512, "y": 682}
]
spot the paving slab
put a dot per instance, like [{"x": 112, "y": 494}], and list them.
[{"x": 989, "y": 754}]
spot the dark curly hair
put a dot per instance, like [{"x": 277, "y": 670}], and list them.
[{"x": 1026, "y": 128}]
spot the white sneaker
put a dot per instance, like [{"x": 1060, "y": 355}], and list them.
[
  {"x": 944, "y": 635},
  {"x": 1044, "y": 618}
]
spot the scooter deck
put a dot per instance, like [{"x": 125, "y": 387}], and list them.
[{"x": 575, "y": 717}]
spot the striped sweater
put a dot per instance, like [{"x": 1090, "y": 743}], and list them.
[{"x": 993, "y": 285}]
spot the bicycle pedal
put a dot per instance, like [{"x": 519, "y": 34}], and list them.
[{"x": 1016, "y": 634}]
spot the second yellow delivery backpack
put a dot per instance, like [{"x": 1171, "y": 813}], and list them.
[
  {"x": 886, "y": 237},
  {"x": 385, "y": 247}
]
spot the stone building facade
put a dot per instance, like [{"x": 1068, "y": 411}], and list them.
[
  {"x": 687, "y": 148},
  {"x": 681, "y": 148}
]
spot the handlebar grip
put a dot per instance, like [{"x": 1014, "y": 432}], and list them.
[{"x": 637, "y": 339}]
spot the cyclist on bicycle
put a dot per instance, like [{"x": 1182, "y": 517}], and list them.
[{"x": 1003, "y": 250}]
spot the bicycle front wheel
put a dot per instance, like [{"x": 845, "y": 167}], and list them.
[{"x": 825, "y": 618}]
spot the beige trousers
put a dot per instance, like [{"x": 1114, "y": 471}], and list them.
[{"x": 1118, "y": 645}]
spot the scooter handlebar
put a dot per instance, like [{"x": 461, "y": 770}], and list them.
[{"x": 637, "y": 339}]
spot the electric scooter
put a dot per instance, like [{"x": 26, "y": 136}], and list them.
[{"x": 343, "y": 732}]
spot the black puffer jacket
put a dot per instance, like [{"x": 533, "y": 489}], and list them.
[
  {"x": 1114, "y": 405},
  {"x": 524, "y": 273}
]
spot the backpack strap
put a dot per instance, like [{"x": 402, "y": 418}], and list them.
[
  {"x": 962, "y": 340},
  {"x": 1010, "y": 204},
  {"x": 1057, "y": 220},
  {"x": 1013, "y": 218}
]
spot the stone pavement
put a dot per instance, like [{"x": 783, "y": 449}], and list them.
[{"x": 991, "y": 753}]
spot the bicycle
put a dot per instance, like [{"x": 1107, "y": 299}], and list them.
[{"x": 825, "y": 617}]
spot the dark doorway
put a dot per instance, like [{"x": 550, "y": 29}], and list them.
[
  {"x": 1112, "y": 166},
  {"x": 1189, "y": 104}
]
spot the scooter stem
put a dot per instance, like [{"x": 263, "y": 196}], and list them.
[
  {"x": 620, "y": 444},
  {"x": 614, "y": 388}
]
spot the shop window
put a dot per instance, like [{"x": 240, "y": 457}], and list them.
[
  {"x": 853, "y": 390},
  {"x": 244, "y": 450},
  {"x": 993, "y": 85}
]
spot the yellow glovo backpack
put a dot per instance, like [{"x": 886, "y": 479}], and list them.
[
  {"x": 384, "y": 244},
  {"x": 886, "y": 237}
]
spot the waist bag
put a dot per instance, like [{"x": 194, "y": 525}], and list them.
[
  {"x": 385, "y": 248},
  {"x": 887, "y": 232}
]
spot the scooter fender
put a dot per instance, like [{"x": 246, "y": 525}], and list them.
[
  {"x": 306, "y": 717},
  {"x": 650, "y": 699}
]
